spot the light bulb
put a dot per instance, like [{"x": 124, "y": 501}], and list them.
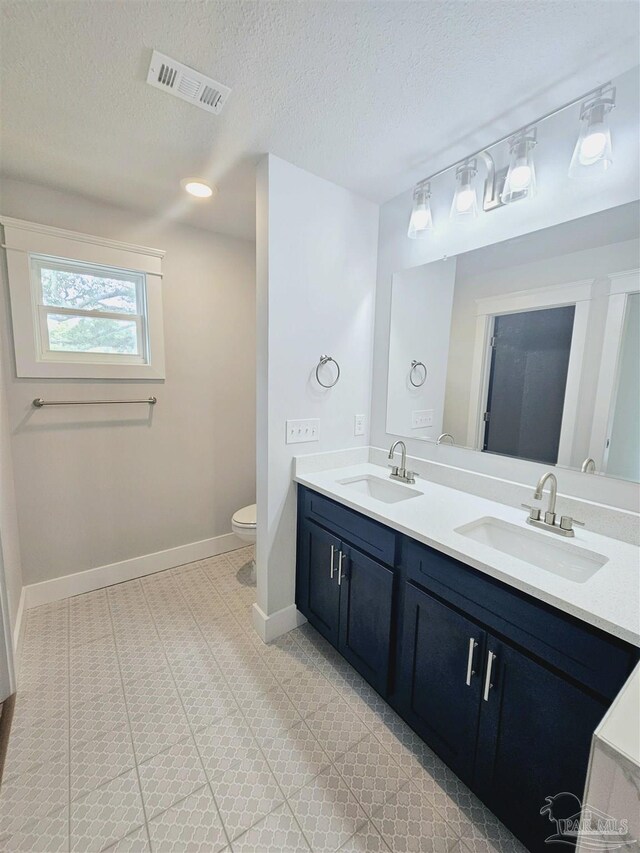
[
  {"x": 592, "y": 147},
  {"x": 521, "y": 177},
  {"x": 421, "y": 221},
  {"x": 593, "y": 154},
  {"x": 465, "y": 201},
  {"x": 520, "y": 181}
]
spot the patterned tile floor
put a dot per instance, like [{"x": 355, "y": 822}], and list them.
[{"x": 151, "y": 717}]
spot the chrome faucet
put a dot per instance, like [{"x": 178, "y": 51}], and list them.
[
  {"x": 550, "y": 514},
  {"x": 588, "y": 466},
  {"x": 565, "y": 526},
  {"x": 400, "y": 472},
  {"x": 443, "y": 437}
]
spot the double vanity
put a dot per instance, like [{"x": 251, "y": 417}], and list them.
[{"x": 501, "y": 644}]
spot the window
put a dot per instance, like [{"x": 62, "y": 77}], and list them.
[
  {"x": 88, "y": 312},
  {"x": 83, "y": 307}
]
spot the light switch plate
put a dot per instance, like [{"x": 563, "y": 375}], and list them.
[
  {"x": 422, "y": 419},
  {"x": 299, "y": 432},
  {"x": 359, "y": 424}
]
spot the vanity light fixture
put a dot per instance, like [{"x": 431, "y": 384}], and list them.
[
  {"x": 592, "y": 154},
  {"x": 197, "y": 187},
  {"x": 421, "y": 221},
  {"x": 521, "y": 176},
  {"x": 518, "y": 180},
  {"x": 465, "y": 200}
]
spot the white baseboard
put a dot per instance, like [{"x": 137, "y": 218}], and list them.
[
  {"x": 46, "y": 592},
  {"x": 281, "y": 622}
]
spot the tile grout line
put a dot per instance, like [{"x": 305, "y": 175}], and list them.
[
  {"x": 33, "y": 821},
  {"x": 411, "y": 778},
  {"x": 285, "y": 800},
  {"x": 331, "y": 764},
  {"x": 239, "y": 618},
  {"x": 184, "y": 710},
  {"x": 126, "y": 705}
]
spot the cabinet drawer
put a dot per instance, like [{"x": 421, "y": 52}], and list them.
[
  {"x": 369, "y": 536},
  {"x": 599, "y": 662}
]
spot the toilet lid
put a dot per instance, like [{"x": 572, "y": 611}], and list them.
[{"x": 245, "y": 517}]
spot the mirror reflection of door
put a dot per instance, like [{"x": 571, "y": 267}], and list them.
[{"x": 527, "y": 383}]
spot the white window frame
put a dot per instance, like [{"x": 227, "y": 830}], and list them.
[
  {"x": 27, "y": 246},
  {"x": 623, "y": 284},
  {"x": 578, "y": 294},
  {"x": 40, "y": 262}
]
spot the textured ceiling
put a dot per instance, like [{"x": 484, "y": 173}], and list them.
[{"x": 371, "y": 95}]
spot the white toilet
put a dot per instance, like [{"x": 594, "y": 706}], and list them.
[{"x": 243, "y": 525}]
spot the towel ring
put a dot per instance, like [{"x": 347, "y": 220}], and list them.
[
  {"x": 325, "y": 359},
  {"x": 415, "y": 364}
]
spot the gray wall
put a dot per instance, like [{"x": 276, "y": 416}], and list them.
[{"x": 99, "y": 485}]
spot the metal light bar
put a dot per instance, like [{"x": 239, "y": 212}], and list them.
[
  {"x": 529, "y": 124},
  {"x": 39, "y": 403}
]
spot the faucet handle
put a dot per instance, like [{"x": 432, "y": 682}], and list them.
[
  {"x": 534, "y": 512},
  {"x": 566, "y": 522}
]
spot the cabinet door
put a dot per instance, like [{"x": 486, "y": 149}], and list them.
[
  {"x": 534, "y": 738},
  {"x": 366, "y": 601},
  {"x": 318, "y": 590},
  {"x": 440, "y": 682}
]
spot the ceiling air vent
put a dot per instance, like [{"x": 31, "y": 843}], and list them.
[{"x": 185, "y": 83}]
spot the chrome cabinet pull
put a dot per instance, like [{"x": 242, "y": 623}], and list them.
[
  {"x": 340, "y": 558},
  {"x": 487, "y": 680},
  {"x": 333, "y": 551},
  {"x": 473, "y": 644}
]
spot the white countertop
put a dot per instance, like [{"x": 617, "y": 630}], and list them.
[
  {"x": 619, "y": 727},
  {"x": 609, "y": 600}
]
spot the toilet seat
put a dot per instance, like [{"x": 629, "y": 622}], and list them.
[{"x": 245, "y": 518}]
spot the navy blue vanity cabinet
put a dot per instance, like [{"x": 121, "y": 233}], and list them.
[
  {"x": 366, "y": 614},
  {"x": 514, "y": 715},
  {"x": 440, "y": 679},
  {"x": 533, "y": 740},
  {"x": 343, "y": 586},
  {"x": 506, "y": 689},
  {"x": 318, "y": 593}
]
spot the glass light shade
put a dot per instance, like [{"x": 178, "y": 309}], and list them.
[
  {"x": 521, "y": 175},
  {"x": 421, "y": 221},
  {"x": 593, "y": 153},
  {"x": 465, "y": 200}
]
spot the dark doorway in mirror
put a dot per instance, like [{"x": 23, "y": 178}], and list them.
[{"x": 527, "y": 383}]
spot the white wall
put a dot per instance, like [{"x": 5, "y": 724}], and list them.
[
  {"x": 558, "y": 200},
  {"x": 419, "y": 330},
  {"x": 316, "y": 262},
  {"x": 99, "y": 485},
  {"x": 624, "y": 453}
]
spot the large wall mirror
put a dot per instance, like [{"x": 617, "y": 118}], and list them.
[{"x": 528, "y": 348}]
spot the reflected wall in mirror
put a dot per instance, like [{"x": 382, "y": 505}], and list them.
[{"x": 531, "y": 347}]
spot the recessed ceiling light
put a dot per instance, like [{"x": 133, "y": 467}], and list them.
[{"x": 197, "y": 188}]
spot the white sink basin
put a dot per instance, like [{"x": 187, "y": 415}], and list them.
[
  {"x": 382, "y": 490},
  {"x": 561, "y": 558}
]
